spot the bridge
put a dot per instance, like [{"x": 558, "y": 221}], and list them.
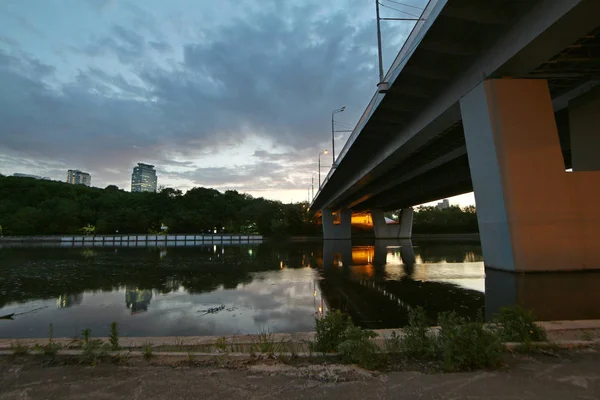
[{"x": 498, "y": 97}]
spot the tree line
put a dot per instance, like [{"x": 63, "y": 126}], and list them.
[{"x": 37, "y": 207}]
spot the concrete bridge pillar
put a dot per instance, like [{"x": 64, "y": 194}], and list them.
[
  {"x": 401, "y": 230},
  {"x": 532, "y": 215},
  {"x": 584, "y": 129},
  {"x": 341, "y": 231}
]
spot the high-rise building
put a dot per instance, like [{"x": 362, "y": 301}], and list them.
[
  {"x": 143, "y": 178},
  {"x": 77, "y": 177}
]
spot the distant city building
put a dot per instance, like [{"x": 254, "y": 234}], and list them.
[
  {"x": 77, "y": 177},
  {"x": 19, "y": 175},
  {"x": 143, "y": 178},
  {"x": 443, "y": 204}
]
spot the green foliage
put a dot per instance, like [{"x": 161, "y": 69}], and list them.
[
  {"x": 51, "y": 348},
  {"x": 114, "y": 336},
  {"x": 450, "y": 220},
  {"x": 86, "y": 334},
  {"x": 94, "y": 352},
  {"x": 19, "y": 349},
  {"x": 358, "y": 348},
  {"x": 515, "y": 324},
  {"x": 221, "y": 344},
  {"x": 393, "y": 344},
  {"x": 264, "y": 342},
  {"x": 418, "y": 341},
  {"x": 466, "y": 344},
  {"x": 147, "y": 350},
  {"x": 36, "y": 207},
  {"x": 330, "y": 331}
]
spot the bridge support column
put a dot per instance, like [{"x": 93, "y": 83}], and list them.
[
  {"x": 337, "y": 231},
  {"x": 532, "y": 215},
  {"x": 401, "y": 230},
  {"x": 584, "y": 129}
]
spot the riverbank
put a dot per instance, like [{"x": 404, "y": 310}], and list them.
[{"x": 561, "y": 375}]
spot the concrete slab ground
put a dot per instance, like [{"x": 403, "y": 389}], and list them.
[{"x": 572, "y": 375}]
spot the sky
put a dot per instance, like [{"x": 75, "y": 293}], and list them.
[{"x": 228, "y": 94}]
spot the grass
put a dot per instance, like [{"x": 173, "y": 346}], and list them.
[{"x": 264, "y": 342}]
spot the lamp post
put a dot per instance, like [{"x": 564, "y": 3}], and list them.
[
  {"x": 382, "y": 85},
  {"x": 338, "y": 110},
  {"x": 312, "y": 187},
  {"x": 320, "y": 154}
]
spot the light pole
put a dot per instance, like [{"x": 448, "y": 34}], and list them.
[
  {"x": 338, "y": 110},
  {"x": 320, "y": 154},
  {"x": 312, "y": 187},
  {"x": 384, "y": 86}
]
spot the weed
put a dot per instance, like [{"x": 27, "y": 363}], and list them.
[
  {"x": 114, "y": 336},
  {"x": 467, "y": 344},
  {"x": 147, "y": 350},
  {"x": 179, "y": 343},
  {"x": 418, "y": 341},
  {"x": 587, "y": 336},
  {"x": 86, "y": 334},
  {"x": 393, "y": 344},
  {"x": 264, "y": 342},
  {"x": 221, "y": 344},
  {"x": 191, "y": 359},
  {"x": 330, "y": 331},
  {"x": 94, "y": 351},
  {"x": 515, "y": 324},
  {"x": 19, "y": 349},
  {"x": 51, "y": 349},
  {"x": 358, "y": 348}
]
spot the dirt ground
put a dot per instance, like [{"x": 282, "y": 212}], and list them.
[{"x": 570, "y": 375}]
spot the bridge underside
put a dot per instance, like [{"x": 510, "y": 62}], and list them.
[
  {"x": 421, "y": 165},
  {"x": 423, "y": 139}
]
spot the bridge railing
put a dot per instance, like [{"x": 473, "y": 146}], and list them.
[{"x": 429, "y": 14}]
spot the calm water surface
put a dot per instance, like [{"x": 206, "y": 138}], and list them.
[{"x": 240, "y": 289}]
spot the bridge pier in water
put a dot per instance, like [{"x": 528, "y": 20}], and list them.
[
  {"x": 401, "y": 230},
  {"x": 532, "y": 214},
  {"x": 339, "y": 231}
]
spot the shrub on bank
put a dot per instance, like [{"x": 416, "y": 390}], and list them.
[
  {"x": 466, "y": 345},
  {"x": 515, "y": 324}
]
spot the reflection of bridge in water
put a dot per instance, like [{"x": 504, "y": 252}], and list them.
[
  {"x": 375, "y": 285},
  {"x": 379, "y": 284}
]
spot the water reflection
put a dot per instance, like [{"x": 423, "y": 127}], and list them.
[
  {"x": 137, "y": 300},
  {"x": 281, "y": 286}
]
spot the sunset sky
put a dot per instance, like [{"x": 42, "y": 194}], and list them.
[{"x": 230, "y": 94}]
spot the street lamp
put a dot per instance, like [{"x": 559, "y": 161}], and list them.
[
  {"x": 320, "y": 154},
  {"x": 382, "y": 85},
  {"x": 339, "y": 110}
]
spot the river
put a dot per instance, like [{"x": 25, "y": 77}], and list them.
[{"x": 274, "y": 286}]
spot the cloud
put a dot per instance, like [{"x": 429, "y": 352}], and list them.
[{"x": 271, "y": 74}]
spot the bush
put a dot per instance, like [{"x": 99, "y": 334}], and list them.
[
  {"x": 418, "y": 341},
  {"x": 330, "y": 330},
  {"x": 358, "y": 348},
  {"x": 515, "y": 324},
  {"x": 94, "y": 351},
  {"x": 466, "y": 344}
]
